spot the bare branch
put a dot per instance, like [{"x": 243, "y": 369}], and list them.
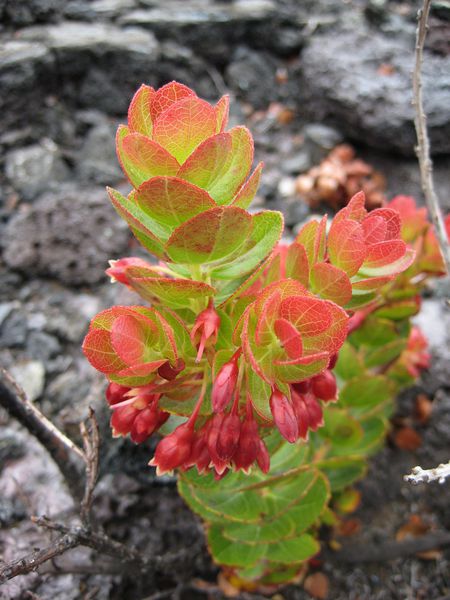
[
  {"x": 91, "y": 442},
  {"x": 423, "y": 142},
  {"x": 68, "y": 456},
  {"x": 362, "y": 553},
  {"x": 419, "y": 475},
  {"x": 32, "y": 561}
]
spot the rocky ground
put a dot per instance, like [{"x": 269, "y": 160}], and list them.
[{"x": 304, "y": 76}]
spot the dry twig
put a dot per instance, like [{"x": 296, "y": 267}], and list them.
[
  {"x": 69, "y": 458},
  {"x": 362, "y": 553},
  {"x": 419, "y": 475},
  {"x": 423, "y": 142}
]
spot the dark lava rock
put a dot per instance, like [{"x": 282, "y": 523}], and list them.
[
  {"x": 252, "y": 75},
  {"x": 361, "y": 81},
  {"x": 36, "y": 168},
  {"x": 20, "y": 14},
  {"x": 69, "y": 235},
  {"x": 97, "y": 161}
]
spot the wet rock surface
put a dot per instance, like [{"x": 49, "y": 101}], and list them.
[{"x": 303, "y": 77}]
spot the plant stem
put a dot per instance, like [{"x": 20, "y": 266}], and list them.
[{"x": 423, "y": 142}]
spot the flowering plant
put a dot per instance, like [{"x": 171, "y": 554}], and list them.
[{"x": 232, "y": 355}]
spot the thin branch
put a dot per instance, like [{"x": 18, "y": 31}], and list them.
[
  {"x": 91, "y": 442},
  {"x": 362, "y": 553},
  {"x": 419, "y": 475},
  {"x": 32, "y": 561},
  {"x": 68, "y": 456},
  {"x": 423, "y": 142}
]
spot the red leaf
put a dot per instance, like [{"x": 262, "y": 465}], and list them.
[
  {"x": 331, "y": 283},
  {"x": 171, "y": 200},
  {"x": 245, "y": 195},
  {"x": 384, "y": 253},
  {"x": 100, "y": 353},
  {"x": 222, "y": 110},
  {"x": 374, "y": 228},
  {"x": 131, "y": 337},
  {"x": 346, "y": 247},
  {"x": 139, "y": 118},
  {"x": 355, "y": 209},
  {"x": 289, "y": 338},
  {"x": 142, "y": 158},
  {"x": 297, "y": 264},
  {"x": 336, "y": 334},
  {"x": 392, "y": 219},
  {"x": 183, "y": 126},
  {"x": 309, "y": 315},
  {"x": 167, "y": 95}
]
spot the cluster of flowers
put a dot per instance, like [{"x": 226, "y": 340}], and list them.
[{"x": 226, "y": 440}]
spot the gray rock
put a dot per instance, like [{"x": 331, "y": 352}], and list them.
[
  {"x": 298, "y": 163},
  {"x": 342, "y": 83},
  {"x": 42, "y": 346},
  {"x": 27, "y": 74},
  {"x": 13, "y": 330},
  {"x": 252, "y": 75},
  {"x": 97, "y": 161},
  {"x": 36, "y": 168},
  {"x": 32, "y": 11},
  {"x": 30, "y": 375},
  {"x": 67, "y": 389},
  {"x": 319, "y": 140},
  {"x": 69, "y": 235}
]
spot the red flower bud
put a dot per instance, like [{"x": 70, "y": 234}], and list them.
[
  {"x": 173, "y": 450},
  {"x": 115, "y": 393},
  {"x": 147, "y": 422},
  {"x": 333, "y": 361},
  {"x": 248, "y": 447},
  {"x": 200, "y": 455},
  {"x": 302, "y": 386},
  {"x": 228, "y": 438},
  {"x": 301, "y": 413},
  {"x": 315, "y": 412},
  {"x": 284, "y": 416},
  {"x": 224, "y": 385},
  {"x": 324, "y": 386},
  {"x": 169, "y": 372},
  {"x": 118, "y": 269},
  {"x": 122, "y": 419},
  {"x": 214, "y": 428},
  {"x": 263, "y": 457},
  {"x": 207, "y": 326}
]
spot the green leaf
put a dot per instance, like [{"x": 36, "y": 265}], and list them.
[
  {"x": 169, "y": 202},
  {"x": 294, "y": 550},
  {"x": 385, "y": 354},
  {"x": 365, "y": 392},
  {"x": 266, "y": 232},
  {"x": 227, "y": 552},
  {"x": 174, "y": 293},
  {"x": 398, "y": 310},
  {"x": 349, "y": 363},
  {"x": 260, "y": 393},
  {"x": 342, "y": 472},
  {"x": 139, "y": 222},
  {"x": 221, "y": 164},
  {"x": 142, "y": 158},
  {"x": 341, "y": 429},
  {"x": 210, "y": 236}
]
